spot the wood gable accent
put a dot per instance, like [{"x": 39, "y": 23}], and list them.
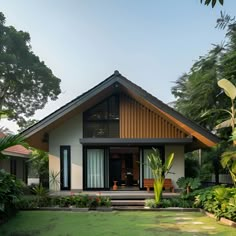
[{"x": 138, "y": 121}]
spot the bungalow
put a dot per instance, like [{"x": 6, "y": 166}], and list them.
[
  {"x": 16, "y": 161},
  {"x": 105, "y": 135}
]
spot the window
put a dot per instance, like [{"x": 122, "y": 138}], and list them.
[
  {"x": 102, "y": 120},
  {"x": 95, "y": 168},
  {"x": 65, "y": 167},
  {"x": 13, "y": 166}
]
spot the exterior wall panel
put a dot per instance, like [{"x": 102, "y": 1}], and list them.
[
  {"x": 178, "y": 163},
  {"x": 138, "y": 121},
  {"x": 68, "y": 133}
]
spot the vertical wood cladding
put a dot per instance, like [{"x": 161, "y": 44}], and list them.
[{"x": 137, "y": 121}]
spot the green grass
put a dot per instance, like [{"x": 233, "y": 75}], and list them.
[{"x": 32, "y": 223}]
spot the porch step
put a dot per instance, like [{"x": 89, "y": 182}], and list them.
[{"x": 127, "y": 203}]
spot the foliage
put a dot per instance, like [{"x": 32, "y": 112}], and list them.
[
  {"x": 197, "y": 91},
  {"x": 42, "y": 199},
  {"x": 39, "y": 161},
  {"x": 189, "y": 183},
  {"x": 191, "y": 165},
  {"x": 10, "y": 192},
  {"x": 26, "y": 82},
  {"x": 103, "y": 201},
  {"x": 41, "y": 194},
  {"x": 228, "y": 160},
  {"x": 39, "y": 191},
  {"x": 218, "y": 200},
  {"x": 27, "y": 123},
  {"x": 159, "y": 171},
  {"x": 212, "y": 2},
  {"x": 29, "y": 202},
  {"x": 151, "y": 203},
  {"x": 171, "y": 202},
  {"x": 82, "y": 201}
]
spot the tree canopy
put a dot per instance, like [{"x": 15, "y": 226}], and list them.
[
  {"x": 197, "y": 91},
  {"x": 26, "y": 83}
]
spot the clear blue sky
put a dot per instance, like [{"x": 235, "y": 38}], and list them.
[{"x": 151, "y": 42}]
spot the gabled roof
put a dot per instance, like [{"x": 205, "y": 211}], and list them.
[
  {"x": 16, "y": 150},
  {"x": 115, "y": 82}
]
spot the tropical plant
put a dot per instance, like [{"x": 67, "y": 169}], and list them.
[
  {"x": 41, "y": 194},
  {"x": 228, "y": 161},
  {"x": 228, "y": 158},
  {"x": 54, "y": 180},
  {"x": 159, "y": 171},
  {"x": 218, "y": 200},
  {"x": 188, "y": 183}
]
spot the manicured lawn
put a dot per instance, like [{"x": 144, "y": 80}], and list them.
[{"x": 29, "y": 223}]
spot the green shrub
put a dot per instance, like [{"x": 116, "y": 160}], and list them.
[
  {"x": 27, "y": 202},
  {"x": 166, "y": 203},
  {"x": 150, "y": 203},
  {"x": 10, "y": 192},
  {"x": 82, "y": 201},
  {"x": 219, "y": 200},
  {"x": 171, "y": 202}
]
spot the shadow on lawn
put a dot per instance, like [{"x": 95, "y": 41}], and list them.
[{"x": 174, "y": 231}]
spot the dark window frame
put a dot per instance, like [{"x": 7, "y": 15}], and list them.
[
  {"x": 62, "y": 148},
  {"x": 105, "y": 172},
  {"x": 13, "y": 166}
]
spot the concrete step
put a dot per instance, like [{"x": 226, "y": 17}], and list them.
[
  {"x": 127, "y": 202},
  {"x": 130, "y": 208}
]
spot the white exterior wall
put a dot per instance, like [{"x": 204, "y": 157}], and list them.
[
  {"x": 69, "y": 133},
  {"x": 178, "y": 163}
]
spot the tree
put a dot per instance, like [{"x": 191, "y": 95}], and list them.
[
  {"x": 159, "y": 171},
  {"x": 27, "y": 124},
  {"x": 197, "y": 92},
  {"x": 26, "y": 83},
  {"x": 212, "y": 2}
]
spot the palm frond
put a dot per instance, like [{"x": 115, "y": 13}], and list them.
[{"x": 11, "y": 140}]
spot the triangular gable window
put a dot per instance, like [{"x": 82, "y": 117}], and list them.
[{"x": 102, "y": 120}]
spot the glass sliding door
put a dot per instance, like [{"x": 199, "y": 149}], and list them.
[
  {"x": 65, "y": 167},
  {"x": 147, "y": 172},
  {"x": 95, "y": 168}
]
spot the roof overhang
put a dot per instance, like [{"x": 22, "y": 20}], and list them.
[
  {"x": 12, "y": 154},
  {"x": 133, "y": 141}
]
